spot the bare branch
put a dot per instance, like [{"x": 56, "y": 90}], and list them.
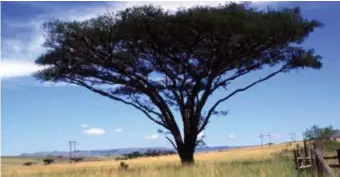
[
  {"x": 146, "y": 112},
  {"x": 136, "y": 100},
  {"x": 212, "y": 109},
  {"x": 172, "y": 143}
]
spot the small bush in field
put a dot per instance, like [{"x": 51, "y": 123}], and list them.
[
  {"x": 28, "y": 164},
  {"x": 48, "y": 161},
  {"x": 124, "y": 166},
  {"x": 121, "y": 158},
  {"x": 77, "y": 159}
]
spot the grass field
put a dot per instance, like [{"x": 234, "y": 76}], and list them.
[{"x": 245, "y": 162}]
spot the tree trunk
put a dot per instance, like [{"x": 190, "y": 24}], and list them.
[{"x": 186, "y": 154}]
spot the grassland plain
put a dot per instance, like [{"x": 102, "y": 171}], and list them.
[{"x": 245, "y": 162}]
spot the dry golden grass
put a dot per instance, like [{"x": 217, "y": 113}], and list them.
[{"x": 234, "y": 162}]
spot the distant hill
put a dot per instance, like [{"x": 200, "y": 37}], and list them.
[{"x": 116, "y": 152}]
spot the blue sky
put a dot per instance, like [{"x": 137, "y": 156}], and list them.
[{"x": 44, "y": 117}]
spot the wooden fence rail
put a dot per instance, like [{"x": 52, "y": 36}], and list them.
[
  {"x": 312, "y": 158},
  {"x": 323, "y": 169}
]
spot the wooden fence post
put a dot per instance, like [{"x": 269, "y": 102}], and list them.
[
  {"x": 305, "y": 146},
  {"x": 338, "y": 153},
  {"x": 298, "y": 154},
  {"x": 318, "y": 166},
  {"x": 296, "y": 159},
  {"x": 323, "y": 167},
  {"x": 313, "y": 162}
]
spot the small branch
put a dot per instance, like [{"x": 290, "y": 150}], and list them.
[
  {"x": 238, "y": 74},
  {"x": 121, "y": 100},
  {"x": 172, "y": 143},
  {"x": 136, "y": 100},
  {"x": 205, "y": 122}
]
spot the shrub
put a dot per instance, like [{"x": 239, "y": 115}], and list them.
[
  {"x": 124, "y": 166},
  {"x": 48, "y": 161},
  {"x": 77, "y": 159},
  {"x": 28, "y": 164},
  {"x": 121, "y": 158}
]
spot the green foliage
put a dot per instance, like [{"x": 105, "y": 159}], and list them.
[
  {"x": 121, "y": 158},
  {"x": 316, "y": 132},
  {"x": 148, "y": 153},
  {"x": 133, "y": 155},
  {"x": 331, "y": 146}
]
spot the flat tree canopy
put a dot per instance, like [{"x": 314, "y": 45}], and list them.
[{"x": 160, "y": 62}]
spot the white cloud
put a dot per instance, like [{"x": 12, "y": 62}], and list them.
[
  {"x": 55, "y": 84},
  {"x": 231, "y": 136},
  {"x": 84, "y": 125},
  {"x": 200, "y": 135},
  {"x": 118, "y": 130},
  {"x": 94, "y": 131},
  {"x": 17, "y": 68},
  {"x": 152, "y": 137}
]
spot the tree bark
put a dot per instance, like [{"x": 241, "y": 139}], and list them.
[
  {"x": 186, "y": 153},
  {"x": 187, "y": 157}
]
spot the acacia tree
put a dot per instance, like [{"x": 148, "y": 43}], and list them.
[{"x": 160, "y": 62}]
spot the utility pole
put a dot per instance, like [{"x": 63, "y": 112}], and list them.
[
  {"x": 72, "y": 150},
  {"x": 261, "y": 136},
  {"x": 270, "y": 139},
  {"x": 292, "y": 137},
  {"x": 70, "y": 144}
]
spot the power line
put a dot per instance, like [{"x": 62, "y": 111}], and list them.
[
  {"x": 70, "y": 144},
  {"x": 261, "y": 136},
  {"x": 292, "y": 137},
  {"x": 269, "y": 138},
  {"x": 72, "y": 150}
]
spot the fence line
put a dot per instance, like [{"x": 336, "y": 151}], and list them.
[{"x": 311, "y": 158}]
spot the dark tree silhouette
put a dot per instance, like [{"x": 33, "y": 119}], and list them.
[{"x": 159, "y": 61}]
